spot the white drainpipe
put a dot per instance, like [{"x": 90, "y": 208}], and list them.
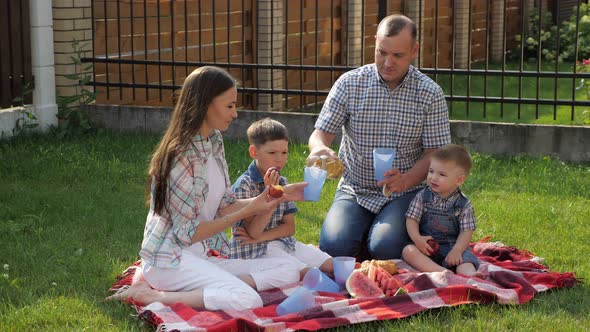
[{"x": 44, "y": 105}]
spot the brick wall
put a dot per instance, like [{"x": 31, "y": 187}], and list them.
[{"x": 72, "y": 20}]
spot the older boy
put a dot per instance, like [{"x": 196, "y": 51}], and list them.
[{"x": 271, "y": 235}]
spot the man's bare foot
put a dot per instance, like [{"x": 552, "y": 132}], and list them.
[{"x": 140, "y": 292}]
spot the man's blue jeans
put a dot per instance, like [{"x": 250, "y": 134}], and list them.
[{"x": 349, "y": 228}]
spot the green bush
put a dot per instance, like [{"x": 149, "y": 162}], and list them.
[{"x": 543, "y": 33}]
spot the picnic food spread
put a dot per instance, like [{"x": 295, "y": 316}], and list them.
[
  {"x": 359, "y": 285},
  {"x": 387, "y": 265},
  {"x": 373, "y": 279},
  {"x": 332, "y": 165}
]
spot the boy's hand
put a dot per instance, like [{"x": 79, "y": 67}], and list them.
[
  {"x": 454, "y": 258},
  {"x": 272, "y": 176},
  {"x": 243, "y": 237},
  {"x": 423, "y": 246}
]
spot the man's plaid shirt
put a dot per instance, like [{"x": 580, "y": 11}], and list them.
[
  {"x": 166, "y": 235},
  {"x": 410, "y": 118},
  {"x": 251, "y": 184}
]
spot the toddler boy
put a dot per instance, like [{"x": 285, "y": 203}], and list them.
[{"x": 441, "y": 212}]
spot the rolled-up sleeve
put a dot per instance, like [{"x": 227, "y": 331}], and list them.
[{"x": 182, "y": 204}]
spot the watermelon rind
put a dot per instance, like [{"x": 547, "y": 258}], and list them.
[
  {"x": 359, "y": 285},
  {"x": 400, "y": 291}
]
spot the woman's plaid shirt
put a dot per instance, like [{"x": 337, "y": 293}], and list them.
[{"x": 166, "y": 235}]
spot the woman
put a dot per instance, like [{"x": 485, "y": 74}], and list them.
[{"x": 191, "y": 204}]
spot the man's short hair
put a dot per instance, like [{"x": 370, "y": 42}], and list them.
[
  {"x": 266, "y": 130},
  {"x": 392, "y": 25},
  {"x": 455, "y": 153}
]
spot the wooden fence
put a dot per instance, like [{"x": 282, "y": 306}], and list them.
[
  {"x": 15, "y": 53},
  {"x": 153, "y": 40}
]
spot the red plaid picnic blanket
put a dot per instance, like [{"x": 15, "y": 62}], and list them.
[{"x": 512, "y": 276}]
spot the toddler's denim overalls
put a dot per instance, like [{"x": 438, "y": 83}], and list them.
[{"x": 443, "y": 226}]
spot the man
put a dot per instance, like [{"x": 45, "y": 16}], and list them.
[{"x": 388, "y": 104}]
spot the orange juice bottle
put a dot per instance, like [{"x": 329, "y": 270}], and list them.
[{"x": 332, "y": 165}]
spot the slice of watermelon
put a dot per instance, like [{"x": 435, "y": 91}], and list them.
[
  {"x": 359, "y": 285},
  {"x": 388, "y": 284}
]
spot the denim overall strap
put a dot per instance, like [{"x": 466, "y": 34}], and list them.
[{"x": 441, "y": 224}]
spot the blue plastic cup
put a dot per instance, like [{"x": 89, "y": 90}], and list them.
[
  {"x": 343, "y": 267},
  {"x": 382, "y": 161},
  {"x": 317, "y": 280},
  {"x": 300, "y": 299},
  {"x": 315, "y": 178}
]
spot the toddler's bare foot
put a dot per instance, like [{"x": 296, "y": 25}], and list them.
[{"x": 140, "y": 292}]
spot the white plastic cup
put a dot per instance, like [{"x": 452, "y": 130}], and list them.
[
  {"x": 315, "y": 177},
  {"x": 343, "y": 267},
  {"x": 317, "y": 280},
  {"x": 300, "y": 299},
  {"x": 382, "y": 161}
]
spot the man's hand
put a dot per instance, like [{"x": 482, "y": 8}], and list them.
[
  {"x": 321, "y": 151},
  {"x": 395, "y": 181}
]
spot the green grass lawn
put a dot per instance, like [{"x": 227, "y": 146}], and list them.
[
  {"x": 513, "y": 87},
  {"x": 72, "y": 214}
]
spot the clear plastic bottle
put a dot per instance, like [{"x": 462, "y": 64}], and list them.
[{"x": 332, "y": 165}]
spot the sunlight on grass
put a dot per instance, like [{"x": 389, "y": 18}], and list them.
[
  {"x": 58, "y": 313},
  {"x": 72, "y": 214},
  {"x": 515, "y": 87}
]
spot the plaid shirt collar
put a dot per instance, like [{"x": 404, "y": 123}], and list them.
[
  {"x": 254, "y": 173},
  {"x": 207, "y": 145},
  {"x": 405, "y": 81},
  {"x": 451, "y": 197}
]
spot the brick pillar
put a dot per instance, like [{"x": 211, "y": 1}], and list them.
[
  {"x": 462, "y": 44},
  {"x": 271, "y": 44},
  {"x": 497, "y": 33},
  {"x": 72, "y": 20},
  {"x": 415, "y": 11},
  {"x": 353, "y": 45}
]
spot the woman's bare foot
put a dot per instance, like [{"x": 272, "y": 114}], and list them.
[
  {"x": 477, "y": 274},
  {"x": 140, "y": 292}
]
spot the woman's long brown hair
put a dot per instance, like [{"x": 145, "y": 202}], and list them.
[{"x": 197, "y": 93}]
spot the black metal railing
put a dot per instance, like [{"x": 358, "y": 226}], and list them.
[{"x": 493, "y": 68}]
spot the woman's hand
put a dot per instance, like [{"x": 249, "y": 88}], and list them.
[
  {"x": 293, "y": 192},
  {"x": 263, "y": 204}
]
